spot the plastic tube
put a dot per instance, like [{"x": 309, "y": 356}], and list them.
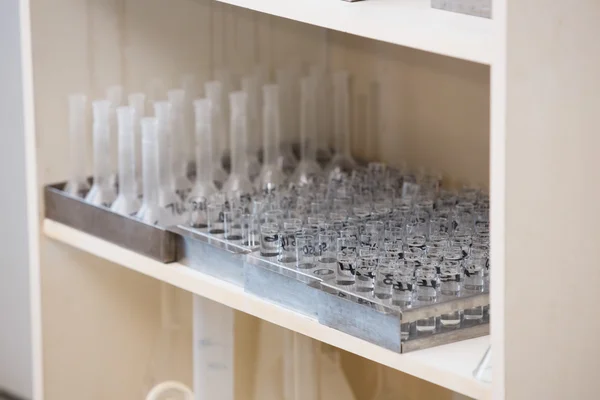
[
  {"x": 271, "y": 174},
  {"x": 252, "y": 89},
  {"x": 238, "y": 183},
  {"x": 214, "y": 92},
  {"x": 137, "y": 101},
  {"x": 204, "y": 186},
  {"x": 114, "y": 94},
  {"x": 149, "y": 211},
  {"x": 342, "y": 159},
  {"x": 323, "y": 107},
  {"x": 179, "y": 144},
  {"x": 308, "y": 166},
  {"x": 289, "y": 118},
  {"x": 213, "y": 350},
  {"x": 103, "y": 191},
  {"x": 77, "y": 184},
  {"x": 192, "y": 90},
  {"x": 168, "y": 201},
  {"x": 127, "y": 202}
]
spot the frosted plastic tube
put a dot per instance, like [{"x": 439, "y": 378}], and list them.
[
  {"x": 271, "y": 125},
  {"x": 204, "y": 158},
  {"x": 214, "y": 92},
  {"x": 238, "y": 182},
  {"x": 149, "y": 211},
  {"x": 323, "y": 105},
  {"x": 192, "y": 91},
  {"x": 251, "y": 88},
  {"x": 287, "y": 81},
  {"x": 308, "y": 120},
  {"x": 179, "y": 143},
  {"x": 213, "y": 332},
  {"x": 103, "y": 191},
  {"x": 341, "y": 112},
  {"x": 226, "y": 78},
  {"x": 114, "y": 94},
  {"x": 127, "y": 201},
  {"x": 77, "y": 184},
  {"x": 137, "y": 101}
]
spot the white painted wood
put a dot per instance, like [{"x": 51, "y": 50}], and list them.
[
  {"x": 411, "y": 23},
  {"x": 450, "y": 366}
]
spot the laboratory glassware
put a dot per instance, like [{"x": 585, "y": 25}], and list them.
[
  {"x": 307, "y": 168},
  {"x": 150, "y": 211},
  {"x": 384, "y": 274},
  {"x": 342, "y": 160},
  {"x": 270, "y": 243},
  {"x": 323, "y": 111},
  {"x": 474, "y": 280},
  {"x": 426, "y": 293},
  {"x": 204, "y": 187},
  {"x": 271, "y": 175},
  {"x": 250, "y": 85},
  {"x": 216, "y": 218},
  {"x": 214, "y": 92},
  {"x": 287, "y": 82},
  {"x": 291, "y": 228},
  {"x": 127, "y": 201},
  {"x": 306, "y": 251},
  {"x": 365, "y": 270},
  {"x": 103, "y": 191},
  {"x": 192, "y": 91},
  {"x": 346, "y": 260},
  {"x": 179, "y": 143},
  {"x": 137, "y": 101},
  {"x": 250, "y": 230},
  {"x": 232, "y": 224},
  {"x": 403, "y": 289},
  {"x": 238, "y": 182},
  {"x": 114, "y": 94},
  {"x": 450, "y": 287},
  {"x": 77, "y": 185},
  {"x": 168, "y": 200}
]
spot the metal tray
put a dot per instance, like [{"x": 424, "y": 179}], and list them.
[{"x": 150, "y": 240}]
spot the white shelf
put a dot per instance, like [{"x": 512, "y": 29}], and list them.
[
  {"x": 411, "y": 23},
  {"x": 450, "y": 366}
]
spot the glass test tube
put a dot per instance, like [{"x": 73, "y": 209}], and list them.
[
  {"x": 287, "y": 82},
  {"x": 426, "y": 292},
  {"x": 347, "y": 248},
  {"x": 365, "y": 270},
  {"x": 291, "y": 228},
  {"x": 204, "y": 186},
  {"x": 232, "y": 224},
  {"x": 323, "y": 108},
  {"x": 167, "y": 198},
  {"x": 238, "y": 182},
  {"x": 137, "y": 101},
  {"x": 306, "y": 249},
  {"x": 103, "y": 191},
  {"x": 271, "y": 175},
  {"x": 450, "y": 273},
  {"x": 474, "y": 271},
  {"x": 179, "y": 144},
  {"x": 127, "y": 202},
  {"x": 114, "y": 94},
  {"x": 250, "y": 85},
  {"x": 270, "y": 244},
  {"x": 384, "y": 277},
  {"x": 77, "y": 185},
  {"x": 214, "y": 92},
  {"x": 307, "y": 168},
  {"x": 402, "y": 292},
  {"x": 342, "y": 159},
  {"x": 149, "y": 211}
]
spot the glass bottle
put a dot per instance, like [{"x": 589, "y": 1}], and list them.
[
  {"x": 178, "y": 143},
  {"x": 342, "y": 160},
  {"x": 287, "y": 80},
  {"x": 238, "y": 184},
  {"x": 77, "y": 185},
  {"x": 323, "y": 109},
  {"x": 308, "y": 167},
  {"x": 250, "y": 85},
  {"x": 214, "y": 92},
  {"x": 271, "y": 175}
]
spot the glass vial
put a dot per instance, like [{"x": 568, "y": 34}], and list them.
[
  {"x": 342, "y": 160},
  {"x": 427, "y": 285},
  {"x": 78, "y": 146},
  {"x": 127, "y": 202},
  {"x": 271, "y": 175}
]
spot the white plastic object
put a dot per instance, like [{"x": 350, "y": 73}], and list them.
[
  {"x": 204, "y": 185},
  {"x": 250, "y": 85},
  {"x": 149, "y": 211},
  {"x": 308, "y": 167},
  {"x": 214, "y": 92},
  {"x": 137, "y": 101},
  {"x": 114, "y": 94},
  {"x": 172, "y": 207},
  {"x": 271, "y": 175},
  {"x": 193, "y": 91},
  {"x": 127, "y": 202},
  {"x": 103, "y": 191},
  {"x": 342, "y": 159},
  {"x": 287, "y": 81},
  {"x": 77, "y": 185},
  {"x": 179, "y": 143},
  {"x": 170, "y": 390},
  {"x": 324, "y": 111},
  {"x": 238, "y": 183},
  {"x": 213, "y": 350}
]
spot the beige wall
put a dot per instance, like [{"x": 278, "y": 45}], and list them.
[{"x": 101, "y": 322}]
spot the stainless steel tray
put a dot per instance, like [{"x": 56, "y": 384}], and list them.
[{"x": 150, "y": 240}]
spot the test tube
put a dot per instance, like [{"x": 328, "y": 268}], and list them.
[
  {"x": 78, "y": 142},
  {"x": 250, "y": 85},
  {"x": 232, "y": 224},
  {"x": 214, "y": 92},
  {"x": 287, "y": 80},
  {"x": 103, "y": 191},
  {"x": 474, "y": 269},
  {"x": 238, "y": 182},
  {"x": 127, "y": 202},
  {"x": 450, "y": 287},
  {"x": 384, "y": 277},
  {"x": 149, "y": 211},
  {"x": 305, "y": 250},
  {"x": 322, "y": 97},
  {"x": 137, "y": 101},
  {"x": 114, "y": 94},
  {"x": 291, "y": 228},
  {"x": 365, "y": 270},
  {"x": 167, "y": 198},
  {"x": 271, "y": 175},
  {"x": 192, "y": 90},
  {"x": 427, "y": 285},
  {"x": 307, "y": 168},
  {"x": 270, "y": 244},
  {"x": 347, "y": 248},
  {"x": 342, "y": 159},
  {"x": 179, "y": 144},
  {"x": 402, "y": 292},
  {"x": 204, "y": 186}
]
